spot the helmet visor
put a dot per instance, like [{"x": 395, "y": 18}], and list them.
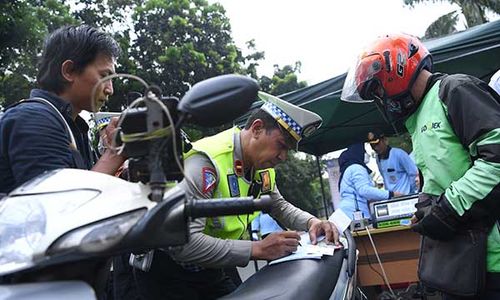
[{"x": 362, "y": 83}]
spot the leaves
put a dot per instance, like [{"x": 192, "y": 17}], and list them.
[
  {"x": 473, "y": 11},
  {"x": 298, "y": 182},
  {"x": 444, "y": 25},
  {"x": 23, "y": 27}
]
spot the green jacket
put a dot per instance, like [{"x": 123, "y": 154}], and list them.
[
  {"x": 456, "y": 141},
  {"x": 219, "y": 148}
]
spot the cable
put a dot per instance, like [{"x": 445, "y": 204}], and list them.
[
  {"x": 368, "y": 257},
  {"x": 380, "y": 263},
  {"x": 174, "y": 140},
  {"x": 145, "y": 136}
]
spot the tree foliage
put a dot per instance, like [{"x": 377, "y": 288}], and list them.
[
  {"x": 298, "y": 182},
  {"x": 474, "y": 13},
  {"x": 443, "y": 26},
  {"x": 23, "y": 27},
  {"x": 284, "y": 80},
  {"x": 182, "y": 42},
  {"x": 172, "y": 44}
]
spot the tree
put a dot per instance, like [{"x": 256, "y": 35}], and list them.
[
  {"x": 23, "y": 27},
  {"x": 443, "y": 26},
  {"x": 284, "y": 80},
  {"x": 252, "y": 59},
  {"x": 298, "y": 182},
  {"x": 473, "y": 11},
  {"x": 182, "y": 42},
  {"x": 105, "y": 14}
]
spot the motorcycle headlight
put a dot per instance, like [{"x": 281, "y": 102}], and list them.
[
  {"x": 23, "y": 224},
  {"x": 99, "y": 236}
]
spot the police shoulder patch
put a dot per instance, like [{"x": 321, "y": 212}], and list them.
[{"x": 209, "y": 179}]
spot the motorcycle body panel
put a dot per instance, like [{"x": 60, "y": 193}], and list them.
[
  {"x": 61, "y": 290},
  {"x": 58, "y": 202}
]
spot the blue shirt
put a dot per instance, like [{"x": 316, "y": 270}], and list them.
[
  {"x": 265, "y": 224},
  {"x": 398, "y": 171},
  {"x": 358, "y": 187},
  {"x": 34, "y": 139}
]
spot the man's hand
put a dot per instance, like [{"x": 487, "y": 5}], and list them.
[
  {"x": 398, "y": 194},
  {"x": 107, "y": 134},
  {"x": 110, "y": 161},
  {"x": 438, "y": 221},
  {"x": 318, "y": 227},
  {"x": 275, "y": 245}
]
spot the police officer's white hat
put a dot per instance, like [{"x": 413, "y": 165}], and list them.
[{"x": 298, "y": 122}]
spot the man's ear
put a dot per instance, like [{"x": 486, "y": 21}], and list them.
[
  {"x": 257, "y": 127},
  {"x": 68, "y": 70}
]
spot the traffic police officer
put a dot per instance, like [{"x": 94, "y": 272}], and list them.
[{"x": 236, "y": 163}]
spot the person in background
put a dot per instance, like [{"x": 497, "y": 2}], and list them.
[
  {"x": 264, "y": 224},
  {"x": 454, "y": 123},
  {"x": 397, "y": 168},
  {"x": 355, "y": 184}
]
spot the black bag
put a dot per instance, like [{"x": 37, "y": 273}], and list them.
[{"x": 456, "y": 267}]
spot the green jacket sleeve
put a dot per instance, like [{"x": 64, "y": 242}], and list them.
[{"x": 474, "y": 113}]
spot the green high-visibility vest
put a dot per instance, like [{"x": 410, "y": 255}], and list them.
[{"x": 219, "y": 148}]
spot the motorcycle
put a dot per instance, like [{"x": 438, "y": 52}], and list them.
[{"x": 59, "y": 229}]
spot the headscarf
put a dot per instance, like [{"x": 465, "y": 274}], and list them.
[{"x": 355, "y": 154}]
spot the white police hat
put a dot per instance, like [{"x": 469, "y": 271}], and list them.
[{"x": 298, "y": 122}]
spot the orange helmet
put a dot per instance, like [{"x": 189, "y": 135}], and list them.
[{"x": 385, "y": 71}]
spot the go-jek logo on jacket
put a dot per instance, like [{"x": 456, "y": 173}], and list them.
[{"x": 430, "y": 125}]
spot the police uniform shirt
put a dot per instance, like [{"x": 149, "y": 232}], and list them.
[
  {"x": 208, "y": 251},
  {"x": 399, "y": 171}
]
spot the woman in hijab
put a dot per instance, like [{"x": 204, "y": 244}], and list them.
[{"x": 355, "y": 184}]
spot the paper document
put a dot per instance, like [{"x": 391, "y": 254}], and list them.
[
  {"x": 341, "y": 220},
  {"x": 309, "y": 251}
]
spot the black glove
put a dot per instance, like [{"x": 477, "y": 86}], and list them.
[{"x": 436, "y": 218}]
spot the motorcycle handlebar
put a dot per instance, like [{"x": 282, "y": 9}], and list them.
[{"x": 227, "y": 206}]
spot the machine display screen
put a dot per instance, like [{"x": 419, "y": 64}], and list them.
[
  {"x": 390, "y": 212},
  {"x": 396, "y": 209}
]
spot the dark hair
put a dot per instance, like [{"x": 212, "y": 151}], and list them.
[
  {"x": 270, "y": 124},
  {"x": 81, "y": 44}
]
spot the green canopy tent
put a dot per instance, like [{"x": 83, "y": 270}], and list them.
[{"x": 475, "y": 51}]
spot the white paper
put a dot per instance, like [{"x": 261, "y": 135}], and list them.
[
  {"x": 309, "y": 251},
  {"x": 295, "y": 256},
  {"x": 341, "y": 220}
]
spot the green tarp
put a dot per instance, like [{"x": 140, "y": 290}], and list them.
[{"x": 475, "y": 51}]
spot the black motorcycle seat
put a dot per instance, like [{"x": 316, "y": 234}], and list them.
[{"x": 299, "y": 279}]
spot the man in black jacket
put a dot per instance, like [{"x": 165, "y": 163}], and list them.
[{"x": 46, "y": 132}]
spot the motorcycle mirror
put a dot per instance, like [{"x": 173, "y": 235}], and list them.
[{"x": 218, "y": 100}]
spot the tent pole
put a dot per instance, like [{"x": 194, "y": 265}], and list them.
[{"x": 322, "y": 187}]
